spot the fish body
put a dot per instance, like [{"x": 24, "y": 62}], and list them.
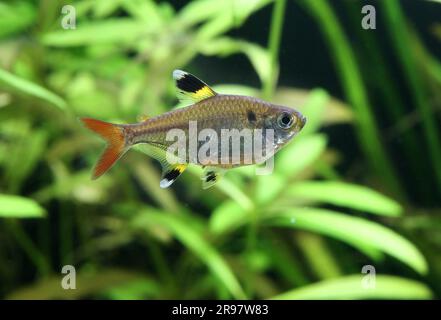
[{"x": 204, "y": 124}]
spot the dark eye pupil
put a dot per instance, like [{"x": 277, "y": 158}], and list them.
[{"x": 286, "y": 120}]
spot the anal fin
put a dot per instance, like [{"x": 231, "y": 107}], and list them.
[
  {"x": 170, "y": 170},
  {"x": 170, "y": 174}
]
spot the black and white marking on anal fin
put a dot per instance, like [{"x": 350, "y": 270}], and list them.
[
  {"x": 191, "y": 87},
  {"x": 171, "y": 175}
]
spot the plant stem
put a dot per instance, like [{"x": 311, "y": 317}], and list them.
[
  {"x": 399, "y": 34},
  {"x": 29, "y": 247},
  {"x": 274, "y": 46},
  {"x": 354, "y": 89},
  {"x": 378, "y": 78}
]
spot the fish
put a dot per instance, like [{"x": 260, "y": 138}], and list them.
[{"x": 174, "y": 138}]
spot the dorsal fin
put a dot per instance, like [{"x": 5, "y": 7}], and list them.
[{"x": 190, "y": 87}]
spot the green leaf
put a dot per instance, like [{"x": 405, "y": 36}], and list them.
[
  {"x": 185, "y": 233},
  {"x": 346, "y": 195},
  {"x": 16, "y": 17},
  {"x": 87, "y": 284},
  {"x": 314, "y": 110},
  {"x": 227, "y": 216},
  {"x": 221, "y": 16},
  {"x": 19, "y": 207},
  {"x": 351, "y": 287},
  {"x": 300, "y": 154},
  {"x": 147, "y": 11},
  {"x": 318, "y": 107},
  {"x": 225, "y": 46},
  {"x": 104, "y": 8},
  {"x": 30, "y": 88},
  {"x": 114, "y": 31},
  {"x": 235, "y": 89},
  {"x": 25, "y": 154},
  {"x": 355, "y": 231},
  {"x": 355, "y": 91},
  {"x": 289, "y": 162},
  {"x": 137, "y": 289},
  {"x": 225, "y": 185},
  {"x": 235, "y": 11},
  {"x": 268, "y": 187}
]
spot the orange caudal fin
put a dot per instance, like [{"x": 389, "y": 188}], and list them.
[{"x": 114, "y": 135}]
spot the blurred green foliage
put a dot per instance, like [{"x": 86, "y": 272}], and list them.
[{"x": 303, "y": 232}]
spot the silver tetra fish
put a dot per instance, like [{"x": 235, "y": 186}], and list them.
[{"x": 211, "y": 113}]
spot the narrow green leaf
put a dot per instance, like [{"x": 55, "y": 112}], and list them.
[
  {"x": 354, "y": 231},
  {"x": 15, "y": 17},
  {"x": 104, "y": 8},
  {"x": 314, "y": 110},
  {"x": 19, "y": 207},
  {"x": 346, "y": 195},
  {"x": 319, "y": 108},
  {"x": 227, "y": 216},
  {"x": 236, "y": 11},
  {"x": 227, "y": 187},
  {"x": 30, "y": 88},
  {"x": 289, "y": 162},
  {"x": 351, "y": 287},
  {"x": 114, "y": 31},
  {"x": 355, "y": 91},
  {"x": 225, "y": 46},
  {"x": 401, "y": 39},
  {"x": 87, "y": 284},
  {"x": 185, "y": 233},
  {"x": 301, "y": 153}
]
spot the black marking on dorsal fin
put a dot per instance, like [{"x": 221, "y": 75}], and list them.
[{"x": 190, "y": 87}]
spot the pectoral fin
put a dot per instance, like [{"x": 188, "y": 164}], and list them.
[{"x": 211, "y": 176}]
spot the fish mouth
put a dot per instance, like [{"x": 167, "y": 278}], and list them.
[{"x": 302, "y": 121}]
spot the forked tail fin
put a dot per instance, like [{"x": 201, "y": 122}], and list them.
[{"x": 116, "y": 145}]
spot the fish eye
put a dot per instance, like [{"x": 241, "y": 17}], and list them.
[{"x": 285, "y": 120}]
